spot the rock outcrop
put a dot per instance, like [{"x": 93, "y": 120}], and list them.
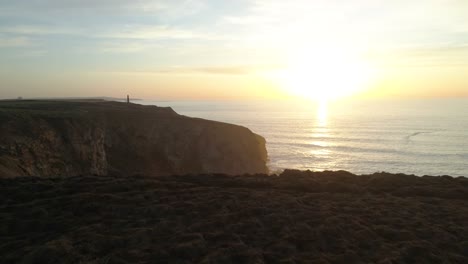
[{"x": 68, "y": 138}]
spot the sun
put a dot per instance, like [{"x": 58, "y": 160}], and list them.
[{"x": 324, "y": 74}]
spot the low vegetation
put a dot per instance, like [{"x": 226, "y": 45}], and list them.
[{"x": 297, "y": 217}]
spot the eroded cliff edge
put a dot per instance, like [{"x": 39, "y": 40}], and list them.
[{"x": 68, "y": 138}]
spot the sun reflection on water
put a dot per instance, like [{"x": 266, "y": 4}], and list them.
[
  {"x": 322, "y": 113},
  {"x": 320, "y": 143},
  {"x": 321, "y": 130},
  {"x": 323, "y": 153}
]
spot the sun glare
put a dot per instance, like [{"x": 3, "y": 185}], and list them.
[{"x": 324, "y": 74}]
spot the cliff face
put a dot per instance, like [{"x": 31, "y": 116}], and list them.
[{"x": 68, "y": 138}]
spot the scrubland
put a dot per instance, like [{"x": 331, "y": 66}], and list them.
[{"x": 296, "y": 217}]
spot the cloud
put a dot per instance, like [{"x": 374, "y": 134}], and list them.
[
  {"x": 135, "y": 32},
  {"x": 449, "y": 55},
  {"x": 125, "y": 47},
  {"x": 216, "y": 70},
  {"x": 39, "y": 30},
  {"x": 226, "y": 70},
  {"x": 166, "y": 9},
  {"x": 154, "y": 32},
  {"x": 32, "y": 53},
  {"x": 248, "y": 20},
  {"x": 8, "y": 41},
  {"x": 72, "y": 4},
  {"x": 239, "y": 70},
  {"x": 437, "y": 49},
  {"x": 424, "y": 55}
]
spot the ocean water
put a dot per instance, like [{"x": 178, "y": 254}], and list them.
[{"x": 422, "y": 137}]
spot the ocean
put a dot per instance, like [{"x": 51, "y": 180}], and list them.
[{"x": 421, "y": 137}]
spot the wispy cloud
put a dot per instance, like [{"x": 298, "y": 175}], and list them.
[
  {"x": 9, "y": 41},
  {"x": 419, "y": 55},
  {"x": 165, "y": 9},
  {"x": 217, "y": 70},
  {"x": 146, "y": 32},
  {"x": 125, "y": 47},
  {"x": 32, "y": 53},
  {"x": 227, "y": 70},
  {"x": 248, "y": 20},
  {"x": 136, "y": 32},
  {"x": 40, "y": 30}
]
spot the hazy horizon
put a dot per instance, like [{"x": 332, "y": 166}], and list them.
[{"x": 211, "y": 50}]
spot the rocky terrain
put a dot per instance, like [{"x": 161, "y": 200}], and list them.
[
  {"x": 95, "y": 137},
  {"x": 297, "y": 217}
]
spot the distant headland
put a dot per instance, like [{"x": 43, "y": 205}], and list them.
[
  {"x": 92, "y": 136},
  {"x": 103, "y": 98}
]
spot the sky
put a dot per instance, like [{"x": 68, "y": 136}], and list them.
[{"x": 239, "y": 49}]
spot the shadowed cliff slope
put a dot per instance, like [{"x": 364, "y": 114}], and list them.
[
  {"x": 298, "y": 217},
  {"x": 67, "y": 138}
]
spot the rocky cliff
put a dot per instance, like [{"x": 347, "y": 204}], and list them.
[{"x": 68, "y": 138}]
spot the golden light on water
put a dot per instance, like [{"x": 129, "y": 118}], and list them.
[
  {"x": 320, "y": 130},
  {"x": 319, "y": 147},
  {"x": 322, "y": 113}
]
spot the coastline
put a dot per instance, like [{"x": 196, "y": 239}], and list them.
[
  {"x": 398, "y": 136},
  {"x": 166, "y": 215}
]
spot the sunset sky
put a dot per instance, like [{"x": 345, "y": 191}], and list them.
[{"x": 240, "y": 49}]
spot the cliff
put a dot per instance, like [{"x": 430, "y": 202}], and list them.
[{"x": 68, "y": 138}]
